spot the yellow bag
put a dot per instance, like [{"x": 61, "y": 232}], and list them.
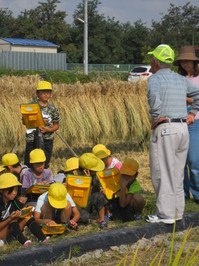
[
  {"x": 79, "y": 188},
  {"x": 53, "y": 229},
  {"x": 37, "y": 189},
  {"x": 110, "y": 182},
  {"x": 26, "y": 212},
  {"x": 32, "y": 116}
]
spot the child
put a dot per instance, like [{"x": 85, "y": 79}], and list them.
[
  {"x": 11, "y": 162},
  {"x": 71, "y": 167},
  {"x": 105, "y": 155},
  {"x": 91, "y": 164},
  {"x": 129, "y": 206},
  {"x": 51, "y": 119},
  {"x": 36, "y": 174},
  {"x": 55, "y": 207},
  {"x": 10, "y": 212}
]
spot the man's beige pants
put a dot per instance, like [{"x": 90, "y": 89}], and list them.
[{"x": 167, "y": 153}]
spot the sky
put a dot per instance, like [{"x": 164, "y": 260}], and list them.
[{"x": 121, "y": 10}]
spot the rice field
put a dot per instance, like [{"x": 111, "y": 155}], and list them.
[{"x": 111, "y": 112}]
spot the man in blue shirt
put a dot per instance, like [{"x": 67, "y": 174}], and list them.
[{"x": 167, "y": 92}]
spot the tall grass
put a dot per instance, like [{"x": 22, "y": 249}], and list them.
[{"x": 108, "y": 112}]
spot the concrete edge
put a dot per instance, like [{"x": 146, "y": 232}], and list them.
[{"x": 102, "y": 240}]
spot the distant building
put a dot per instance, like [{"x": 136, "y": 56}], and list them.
[
  {"x": 26, "y": 45},
  {"x": 25, "y": 54}
]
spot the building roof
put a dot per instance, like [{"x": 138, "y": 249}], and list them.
[{"x": 27, "y": 42}]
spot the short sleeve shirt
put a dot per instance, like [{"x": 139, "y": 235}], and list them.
[
  {"x": 29, "y": 179},
  {"x": 134, "y": 187},
  {"x": 115, "y": 163},
  {"x": 44, "y": 198}
]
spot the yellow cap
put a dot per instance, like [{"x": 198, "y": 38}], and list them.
[
  {"x": 89, "y": 161},
  {"x": 163, "y": 53},
  {"x": 2, "y": 168},
  {"x": 9, "y": 159},
  {"x": 8, "y": 180},
  {"x": 101, "y": 151},
  {"x": 44, "y": 85},
  {"x": 129, "y": 167},
  {"x": 37, "y": 156},
  {"x": 57, "y": 196},
  {"x": 71, "y": 164}
]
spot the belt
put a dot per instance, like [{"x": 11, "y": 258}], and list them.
[{"x": 173, "y": 120}]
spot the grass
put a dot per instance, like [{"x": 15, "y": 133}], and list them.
[{"x": 67, "y": 77}]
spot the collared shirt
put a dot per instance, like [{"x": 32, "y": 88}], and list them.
[{"x": 167, "y": 92}]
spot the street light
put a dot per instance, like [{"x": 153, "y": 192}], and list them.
[{"x": 85, "y": 21}]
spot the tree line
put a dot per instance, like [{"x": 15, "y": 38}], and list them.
[{"x": 109, "y": 41}]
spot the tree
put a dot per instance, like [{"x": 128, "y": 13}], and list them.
[
  {"x": 44, "y": 22},
  {"x": 134, "y": 38},
  {"x": 177, "y": 28},
  {"x": 6, "y": 22}
]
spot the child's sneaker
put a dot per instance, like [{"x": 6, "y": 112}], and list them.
[
  {"x": 27, "y": 243},
  {"x": 46, "y": 239},
  {"x": 103, "y": 224}
]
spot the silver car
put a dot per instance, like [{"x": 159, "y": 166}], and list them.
[{"x": 139, "y": 72}]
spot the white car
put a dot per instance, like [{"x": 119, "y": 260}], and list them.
[{"x": 139, "y": 72}]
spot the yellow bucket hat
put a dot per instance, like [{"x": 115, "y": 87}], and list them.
[
  {"x": 9, "y": 159},
  {"x": 101, "y": 151},
  {"x": 44, "y": 85},
  {"x": 8, "y": 180},
  {"x": 71, "y": 164},
  {"x": 91, "y": 162},
  {"x": 164, "y": 53},
  {"x": 129, "y": 167},
  {"x": 37, "y": 156},
  {"x": 57, "y": 196}
]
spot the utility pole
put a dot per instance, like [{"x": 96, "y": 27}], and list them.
[
  {"x": 86, "y": 37},
  {"x": 85, "y": 22}
]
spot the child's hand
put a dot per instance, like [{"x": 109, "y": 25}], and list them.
[
  {"x": 124, "y": 182},
  {"x": 50, "y": 222},
  {"x": 72, "y": 224},
  {"x": 15, "y": 214},
  {"x": 44, "y": 129}
]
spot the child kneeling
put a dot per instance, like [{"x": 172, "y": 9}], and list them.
[
  {"x": 128, "y": 206},
  {"x": 55, "y": 207},
  {"x": 11, "y": 222}
]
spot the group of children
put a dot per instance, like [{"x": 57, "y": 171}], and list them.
[{"x": 56, "y": 206}]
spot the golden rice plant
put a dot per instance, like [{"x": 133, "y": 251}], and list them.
[{"x": 108, "y": 112}]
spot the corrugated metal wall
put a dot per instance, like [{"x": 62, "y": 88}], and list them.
[{"x": 32, "y": 61}]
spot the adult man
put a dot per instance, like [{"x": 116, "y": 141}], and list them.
[{"x": 167, "y": 92}]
